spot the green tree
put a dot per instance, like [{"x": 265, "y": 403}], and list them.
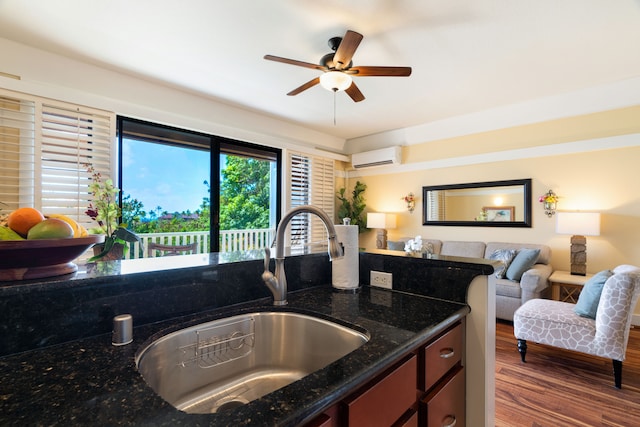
[
  {"x": 132, "y": 211},
  {"x": 244, "y": 194}
]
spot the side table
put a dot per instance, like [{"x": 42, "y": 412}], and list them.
[{"x": 566, "y": 287}]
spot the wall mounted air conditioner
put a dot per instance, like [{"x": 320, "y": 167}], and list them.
[{"x": 384, "y": 156}]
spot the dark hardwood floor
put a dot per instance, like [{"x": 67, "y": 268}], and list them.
[{"x": 557, "y": 388}]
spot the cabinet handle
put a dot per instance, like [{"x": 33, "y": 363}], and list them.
[
  {"x": 447, "y": 353},
  {"x": 449, "y": 421}
]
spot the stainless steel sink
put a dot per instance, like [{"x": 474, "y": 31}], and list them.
[{"x": 226, "y": 363}]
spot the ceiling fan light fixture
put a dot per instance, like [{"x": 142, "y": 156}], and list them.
[{"x": 335, "y": 81}]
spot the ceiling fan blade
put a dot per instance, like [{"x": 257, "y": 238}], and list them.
[
  {"x": 364, "y": 71},
  {"x": 354, "y": 93},
  {"x": 295, "y": 62},
  {"x": 347, "y": 48},
  {"x": 307, "y": 85}
]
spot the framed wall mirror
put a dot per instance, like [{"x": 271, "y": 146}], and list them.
[{"x": 478, "y": 204}]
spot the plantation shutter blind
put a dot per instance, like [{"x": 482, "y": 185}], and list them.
[
  {"x": 299, "y": 191},
  {"x": 17, "y": 158},
  {"x": 311, "y": 181},
  {"x": 322, "y": 195},
  {"x": 44, "y": 148},
  {"x": 71, "y": 138}
]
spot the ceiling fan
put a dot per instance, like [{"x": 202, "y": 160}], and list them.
[{"x": 338, "y": 68}]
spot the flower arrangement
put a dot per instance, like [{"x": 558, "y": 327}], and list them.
[
  {"x": 415, "y": 246},
  {"x": 549, "y": 197},
  {"x": 410, "y": 200},
  {"x": 105, "y": 211}
]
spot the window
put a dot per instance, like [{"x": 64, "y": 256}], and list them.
[
  {"x": 176, "y": 184},
  {"x": 44, "y": 147}
]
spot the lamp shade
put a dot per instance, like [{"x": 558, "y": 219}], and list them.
[
  {"x": 381, "y": 220},
  {"x": 578, "y": 223}
]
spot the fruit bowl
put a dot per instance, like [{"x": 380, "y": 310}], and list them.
[{"x": 33, "y": 259}]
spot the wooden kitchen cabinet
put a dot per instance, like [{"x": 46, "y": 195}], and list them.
[
  {"x": 444, "y": 401},
  {"x": 424, "y": 388},
  {"x": 387, "y": 399},
  {"x": 445, "y": 404},
  {"x": 441, "y": 355}
]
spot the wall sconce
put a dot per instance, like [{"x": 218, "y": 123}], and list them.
[
  {"x": 549, "y": 203},
  {"x": 382, "y": 222},
  {"x": 410, "y": 200},
  {"x": 579, "y": 224}
]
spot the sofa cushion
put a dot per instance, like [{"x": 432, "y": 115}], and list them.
[
  {"x": 463, "y": 249},
  {"x": 589, "y": 298},
  {"x": 545, "y": 251},
  {"x": 397, "y": 245},
  {"x": 508, "y": 288},
  {"x": 523, "y": 261},
  {"x": 505, "y": 256}
]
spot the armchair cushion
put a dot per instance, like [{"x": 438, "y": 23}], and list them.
[
  {"x": 524, "y": 260},
  {"x": 589, "y": 298},
  {"x": 505, "y": 256}
]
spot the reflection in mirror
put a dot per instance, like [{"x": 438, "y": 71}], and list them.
[{"x": 488, "y": 204}]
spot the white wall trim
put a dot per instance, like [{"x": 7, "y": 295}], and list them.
[
  {"x": 635, "y": 320},
  {"x": 607, "y": 143},
  {"x": 620, "y": 94}
]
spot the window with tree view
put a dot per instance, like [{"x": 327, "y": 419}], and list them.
[{"x": 177, "y": 184}]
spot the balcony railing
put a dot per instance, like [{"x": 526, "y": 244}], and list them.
[{"x": 230, "y": 240}]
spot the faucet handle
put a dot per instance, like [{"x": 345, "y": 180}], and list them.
[
  {"x": 267, "y": 276},
  {"x": 267, "y": 258}
]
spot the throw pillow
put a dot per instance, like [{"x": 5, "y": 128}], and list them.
[
  {"x": 589, "y": 298},
  {"x": 505, "y": 256},
  {"x": 523, "y": 261}
]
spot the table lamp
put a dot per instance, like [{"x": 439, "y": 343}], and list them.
[
  {"x": 579, "y": 224},
  {"x": 382, "y": 222}
]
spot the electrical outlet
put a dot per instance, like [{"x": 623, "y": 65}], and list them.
[{"x": 382, "y": 280}]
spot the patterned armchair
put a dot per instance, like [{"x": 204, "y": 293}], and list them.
[{"x": 556, "y": 324}]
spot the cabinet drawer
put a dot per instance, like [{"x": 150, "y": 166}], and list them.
[
  {"x": 386, "y": 400},
  {"x": 445, "y": 406},
  {"x": 442, "y": 355},
  {"x": 410, "y": 419}
]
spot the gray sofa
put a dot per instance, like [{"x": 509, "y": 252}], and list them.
[{"x": 510, "y": 294}]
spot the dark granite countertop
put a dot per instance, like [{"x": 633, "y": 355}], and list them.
[{"x": 91, "y": 382}]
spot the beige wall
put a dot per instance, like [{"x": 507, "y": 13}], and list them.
[{"x": 589, "y": 178}]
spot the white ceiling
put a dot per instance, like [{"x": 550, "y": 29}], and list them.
[{"x": 467, "y": 55}]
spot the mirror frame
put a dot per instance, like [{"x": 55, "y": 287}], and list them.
[{"x": 526, "y": 183}]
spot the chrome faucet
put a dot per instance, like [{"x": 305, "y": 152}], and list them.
[{"x": 277, "y": 283}]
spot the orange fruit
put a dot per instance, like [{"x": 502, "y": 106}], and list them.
[{"x": 22, "y": 219}]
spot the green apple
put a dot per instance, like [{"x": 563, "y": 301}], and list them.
[{"x": 50, "y": 229}]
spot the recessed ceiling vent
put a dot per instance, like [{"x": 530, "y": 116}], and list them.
[{"x": 385, "y": 156}]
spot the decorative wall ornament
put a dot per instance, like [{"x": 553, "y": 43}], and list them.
[
  {"x": 410, "y": 200},
  {"x": 549, "y": 203}
]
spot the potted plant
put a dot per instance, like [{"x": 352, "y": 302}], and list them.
[
  {"x": 353, "y": 208},
  {"x": 105, "y": 211}
]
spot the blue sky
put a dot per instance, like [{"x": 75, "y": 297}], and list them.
[{"x": 166, "y": 176}]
